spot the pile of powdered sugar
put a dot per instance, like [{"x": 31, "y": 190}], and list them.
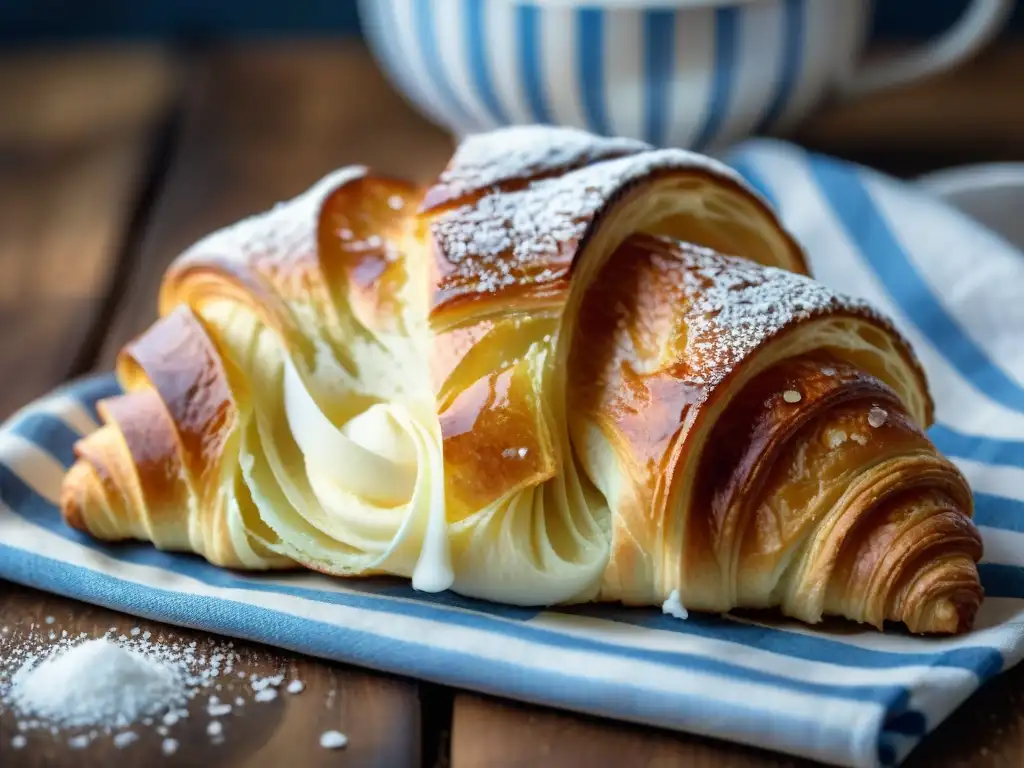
[
  {"x": 80, "y": 688},
  {"x": 97, "y": 682}
]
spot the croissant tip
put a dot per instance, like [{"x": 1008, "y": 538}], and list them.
[
  {"x": 71, "y": 500},
  {"x": 951, "y": 615}
]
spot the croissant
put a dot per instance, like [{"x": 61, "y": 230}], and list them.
[{"x": 537, "y": 381}]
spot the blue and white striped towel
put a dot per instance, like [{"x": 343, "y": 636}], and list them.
[{"x": 850, "y": 697}]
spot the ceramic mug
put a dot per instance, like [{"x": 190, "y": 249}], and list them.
[{"x": 688, "y": 73}]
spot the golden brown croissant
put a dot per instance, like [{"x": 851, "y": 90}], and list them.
[{"x": 536, "y": 382}]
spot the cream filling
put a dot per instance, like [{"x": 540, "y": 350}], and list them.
[{"x": 377, "y": 484}]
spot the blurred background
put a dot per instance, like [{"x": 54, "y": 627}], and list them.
[
  {"x": 129, "y": 129},
  {"x": 25, "y": 22}
]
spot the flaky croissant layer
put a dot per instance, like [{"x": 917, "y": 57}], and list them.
[{"x": 536, "y": 382}]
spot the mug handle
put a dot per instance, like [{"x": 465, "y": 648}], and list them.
[{"x": 980, "y": 22}]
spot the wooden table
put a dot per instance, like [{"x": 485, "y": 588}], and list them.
[{"x": 113, "y": 160}]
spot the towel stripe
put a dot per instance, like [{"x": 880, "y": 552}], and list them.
[
  {"x": 865, "y": 225},
  {"x": 212, "y": 576},
  {"x": 50, "y": 431},
  {"x": 367, "y": 594},
  {"x": 987, "y": 450},
  {"x": 696, "y": 702},
  {"x": 999, "y": 512},
  {"x": 1002, "y": 580}
]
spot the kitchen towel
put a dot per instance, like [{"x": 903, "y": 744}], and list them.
[{"x": 839, "y": 694}]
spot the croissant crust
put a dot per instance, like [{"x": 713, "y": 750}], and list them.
[{"x": 539, "y": 380}]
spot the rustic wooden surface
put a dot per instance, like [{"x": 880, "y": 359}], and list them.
[
  {"x": 380, "y": 715},
  {"x": 72, "y": 162},
  {"x": 972, "y": 112},
  {"x": 115, "y": 160}
]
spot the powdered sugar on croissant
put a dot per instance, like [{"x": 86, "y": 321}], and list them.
[{"x": 537, "y": 382}]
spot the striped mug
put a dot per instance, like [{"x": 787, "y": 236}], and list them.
[{"x": 686, "y": 73}]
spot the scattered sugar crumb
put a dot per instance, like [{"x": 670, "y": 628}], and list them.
[
  {"x": 836, "y": 437},
  {"x": 828, "y": 371},
  {"x": 111, "y": 683},
  {"x": 673, "y": 607},
  {"x": 859, "y": 438},
  {"x": 136, "y": 631},
  {"x": 122, "y": 740},
  {"x": 333, "y": 740},
  {"x": 95, "y": 682},
  {"x": 50, "y": 619},
  {"x": 877, "y": 416},
  {"x": 215, "y": 728},
  {"x": 267, "y": 694},
  {"x": 296, "y": 686},
  {"x": 169, "y": 747},
  {"x": 792, "y": 396},
  {"x": 262, "y": 683}
]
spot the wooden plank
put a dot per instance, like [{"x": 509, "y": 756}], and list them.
[
  {"x": 501, "y": 734},
  {"x": 986, "y": 732},
  {"x": 262, "y": 123},
  {"x": 75, "y": 136},
  {"x": 970, "y": 114},
  {"x": 380, "y": 715}
]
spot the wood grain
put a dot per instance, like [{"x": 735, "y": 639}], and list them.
[
  {"x": 494, "y": 733},
  {"x": 263, "y": 123},
  {"x": 71, "y": 167},
  {"x": 380, "y": 715},
  {"x": 974, "y": 111}
]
